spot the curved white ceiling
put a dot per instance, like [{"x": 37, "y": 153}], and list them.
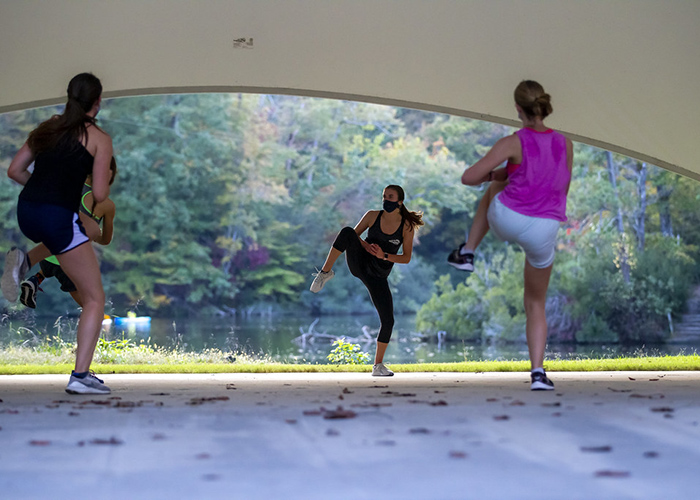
[{"x": 623, "y": 74}]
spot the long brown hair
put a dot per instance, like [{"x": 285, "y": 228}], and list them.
[
  {"x": 415, "y": 219},
  {"x": 83, "y": 92}
]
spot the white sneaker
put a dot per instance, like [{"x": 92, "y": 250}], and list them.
[
  {"x": 379, "y": 370},
  {"x": 320, "y": 279},
  {"x": 16, "y": 266},
  {"x": 88, "y": 385}
]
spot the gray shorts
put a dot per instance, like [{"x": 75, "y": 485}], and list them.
[{"x": 537, "y": 236}]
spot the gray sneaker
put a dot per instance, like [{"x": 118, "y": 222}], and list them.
[
  {"x": 16, "y": 266},
  {"x": 88, "y": 385},
  {"x": 379, "y": 370},
  {"x": 320, "y": 279}
]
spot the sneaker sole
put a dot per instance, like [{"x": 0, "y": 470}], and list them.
[
  {"x": 74, "y": 389},
  {"x": 539, "y": 386},
  {"x": 10, "y": 283},
  {"x": 26, "y": 296},
  {"x": 463, "y": 267}
]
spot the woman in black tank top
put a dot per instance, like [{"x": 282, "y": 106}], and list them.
[
  {"x": 64, "y": 150},
  {"x": 372, "y": 259}
]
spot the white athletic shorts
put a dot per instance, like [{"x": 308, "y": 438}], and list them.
[{"x": 537, "y": 236}]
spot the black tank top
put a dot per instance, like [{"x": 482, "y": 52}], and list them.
[
  {"x": 390, "y": 243},
  {"x": 59, "y": 175}
]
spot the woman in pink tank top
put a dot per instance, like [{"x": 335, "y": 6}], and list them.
[{"x": 524, "y": 204}]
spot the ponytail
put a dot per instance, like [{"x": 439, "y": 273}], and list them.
[
  {"x": 83, "y": 92},
  {"x": 415, "y": 219}
]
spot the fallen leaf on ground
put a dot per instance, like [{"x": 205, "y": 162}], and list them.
[
  {"x": 339, "y": 413},
  {"x": 612, "y": 473},
  {"x": 457, "y": 454},
  {"x": 555, "y": 404},
  {"x": 39, "y": 442},
  {"x": 663, "y": 409},
  {"x": 439, "y": 403},
  {"x": 230, "y": 387},
  {"x": 347, "y": 391},
  {"x": 111, "y": 441},
  {"x": 596, "y": 449},
  {"x": 501, "y": 417},
  {"x": 619, "y": 390},
  {"x": 370, "y": 405},
  {"x": 419, "y": 430},
  {"x": 199, "y": 401}
]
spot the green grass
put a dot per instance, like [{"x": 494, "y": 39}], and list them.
[
  {"x": 56, "y": 356},
  {"x": 651, "y": 363}
]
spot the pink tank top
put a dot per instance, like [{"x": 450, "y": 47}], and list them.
[{"x": 538, "y": 186}]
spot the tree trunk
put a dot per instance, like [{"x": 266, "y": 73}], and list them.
[
  {"x": 641, "y": 212},
  {"x": 622, "y": 251}
]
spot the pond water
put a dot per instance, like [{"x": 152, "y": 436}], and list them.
[{"x": 277, "y": 338}]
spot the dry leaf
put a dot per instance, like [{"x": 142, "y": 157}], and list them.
[
  {"x": 612, "y": 473},
  {"x": 596, "y": 449}
]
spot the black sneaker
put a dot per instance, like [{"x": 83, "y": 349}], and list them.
[
  {"x": 28, "y": 289},
  {"x": 540, "y": 382},
  {"x": 463, "y": 262}
]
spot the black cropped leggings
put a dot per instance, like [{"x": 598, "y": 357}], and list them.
[{"x": 358, "y": 260}]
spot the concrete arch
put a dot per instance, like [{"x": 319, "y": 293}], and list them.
[{"x": 623, "y": 75}]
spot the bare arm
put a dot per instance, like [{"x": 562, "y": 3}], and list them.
[
  {"x": 364, "y": 224},
  {"x": 107, "y": 223},
  {"x": 18, "y": 169},
  {"x": 507, "y": 148},
  {"x": 100, "y": 168}
]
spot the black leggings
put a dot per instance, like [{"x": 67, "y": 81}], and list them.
[{"x": 358, "y": 260}]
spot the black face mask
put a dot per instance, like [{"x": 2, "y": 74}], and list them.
[{"x": 390, "y": 206}]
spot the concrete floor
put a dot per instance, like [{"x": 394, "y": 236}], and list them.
[{"x": 607, "y": 435}]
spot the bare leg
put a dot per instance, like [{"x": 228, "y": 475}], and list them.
[
  {"x": 38, "y": 253},
  {"x": 80, "y": 264},
  {"x": 76, "y": 298},
  {"x": 333, "y": 255},
  {"x": 379, "y": 354},
  {"x": 536, "y": 284},
  {"x": 480, "y": 224}
]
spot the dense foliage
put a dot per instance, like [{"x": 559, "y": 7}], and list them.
[{"x": 226, "y": 203}]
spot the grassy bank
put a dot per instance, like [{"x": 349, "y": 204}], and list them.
[
  {"x": 661, "y": 363},
  {"x": 55, "y": 356}
]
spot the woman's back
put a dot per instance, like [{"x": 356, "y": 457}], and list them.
[{"x": 538, "y": 187}]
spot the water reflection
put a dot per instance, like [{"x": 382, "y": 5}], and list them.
[{"x": 273, "y": 338}]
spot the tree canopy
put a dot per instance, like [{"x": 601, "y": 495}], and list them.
[{"x": 227, "y": 202}]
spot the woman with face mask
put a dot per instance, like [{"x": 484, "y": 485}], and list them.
[{"x": 372, "y": 259}]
